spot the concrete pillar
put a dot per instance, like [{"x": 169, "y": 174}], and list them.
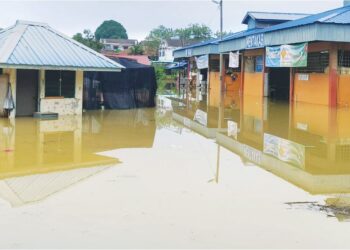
[
  {"x": 41, "y": 95},
  {"x": 79, "y": 83},
  {"x": 291, "y": 85},
  {"x": 333, "y": 75},
  {"x": 241, "y": 84}
]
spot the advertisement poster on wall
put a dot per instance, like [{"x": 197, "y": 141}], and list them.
[
  {"x": 287, "y": 56},
  {"x": 285, "y": 150}
]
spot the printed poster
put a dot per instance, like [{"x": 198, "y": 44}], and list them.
[{"x": 287, "y": 56}]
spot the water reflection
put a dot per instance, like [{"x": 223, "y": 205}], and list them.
[
  {"x": 41, "y": 157},
  {"x": 306, "y": 145}
]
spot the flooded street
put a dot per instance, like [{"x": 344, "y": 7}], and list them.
[{"x": 252, "y": 174}]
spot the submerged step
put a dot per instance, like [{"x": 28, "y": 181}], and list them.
[{"x": 46, "y": 116}]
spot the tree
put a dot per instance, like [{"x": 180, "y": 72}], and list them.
[
  {"x": 154, "y": 38},
  {"x": 88, "y": 39},
  {"x": 194, "y": 32},
  {"x": 160, "y": 33},
  {"x": 136, "y": 50},
  {"x": 224, "y": 33},
  {"x": 111, "y": 29}
]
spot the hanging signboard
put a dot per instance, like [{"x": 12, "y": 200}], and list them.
[
  {"x": 255, "y": 41},
  {"x": 287, "y": 56},
  {"x": 202, "y": 62},
  {"x": 284, "y": 150},
  {"x": 233, "y": 60}
]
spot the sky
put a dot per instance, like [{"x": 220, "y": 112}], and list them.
[{"x": 141, "y": 16}]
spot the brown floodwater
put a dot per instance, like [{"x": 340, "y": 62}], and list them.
[{"x": 252, "y": 173}]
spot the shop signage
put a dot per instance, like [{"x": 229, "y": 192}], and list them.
[
  {"x": 284, "y": 150},
  {"x": 202, "y": 62},
  {"x": 255, "y": 41},
  {"x": 287, "y": 55}
]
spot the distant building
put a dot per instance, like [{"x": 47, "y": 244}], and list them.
[
  {"x": 118, "y": 44},
  {"x": 142, "y": 59},
  {"x": 168, "y": 46}
]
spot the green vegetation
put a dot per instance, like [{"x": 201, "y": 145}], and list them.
[
  {"x": 136, "y": 50},
  {"x": 111, "y": 29},
  {"x": 88, "y": 39},
  {"x": 166, "y": 83}
]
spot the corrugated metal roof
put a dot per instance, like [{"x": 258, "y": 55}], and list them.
[
  {"x": 36, "y": 45},
  {"x": 336, "y": 16},
  {"x": 214, "y": 41},
  {"x": 270, "y": 16}
]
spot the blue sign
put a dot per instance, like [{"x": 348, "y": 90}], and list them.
[{"x": 255, "y": 41}]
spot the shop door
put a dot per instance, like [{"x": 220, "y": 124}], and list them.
[{"x": 26, "y": 92}]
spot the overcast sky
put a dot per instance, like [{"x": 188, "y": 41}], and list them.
[{"x": 139, "y": 17}]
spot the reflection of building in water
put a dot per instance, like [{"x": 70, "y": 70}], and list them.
[
  {"x": 202, "y": 117},
  {"x": 31, "y": 188},
  {"x": 42, "y": 157},
  {"x": 304, "y": 144}
]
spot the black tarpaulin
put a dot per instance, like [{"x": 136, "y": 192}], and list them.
[{"x": 133, "y": 87}]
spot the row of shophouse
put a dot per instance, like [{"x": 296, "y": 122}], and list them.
[{"x": 286, "y": 56}]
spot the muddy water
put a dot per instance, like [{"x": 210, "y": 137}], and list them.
[{"x": 272, "y": 176}]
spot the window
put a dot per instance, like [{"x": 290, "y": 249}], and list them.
[
  {"x": 254, "y": 64},
  {"x": 317, "y": 62},
  {"x": 214, "y": 65},
  {"x": 259, "y": 64},
  {"x": 60, "y": 83},
  {"x": 344, "y": 62}
]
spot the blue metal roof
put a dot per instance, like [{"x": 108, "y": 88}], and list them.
[
  {"x": 38, "y": 46},
  {"x": 272, "y": 16},
  {"x": 335, "y": 16},
  {"x": 214, "y": 41}
]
